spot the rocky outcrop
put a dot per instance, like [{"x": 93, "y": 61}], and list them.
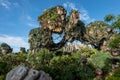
[
  {"x": 23, "y": 73},
  {"x": 97, "y": 33},
  {"x": 55, "y": 21}
]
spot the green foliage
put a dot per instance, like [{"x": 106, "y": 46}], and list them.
[
  {"x": 2, "y": 77},
  {"x": 115, "y": 43},
  {"x": 42, "y": 58},
  {"x": 114, "y": 76},
  {"x": 109, "y": 17},
  {"x": 5, "y": 46},
  {"x": 87, "y": 51},
  {"x": 64, "y": 67},
  {"x": 22, "y": 50},
  {"x": 4, "y": 68},
  {"x": 9, "y": 61},
  {"x": 115, "y": 21},
  {"x": 14, "y": 59},
  {"x": 99, "y": 58},
  {"x": 49, "y": 14}
]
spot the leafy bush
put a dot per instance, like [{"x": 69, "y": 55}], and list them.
[
  {"x": 99, "y": 58},
  {"x": 12, "y": 60},
  {"x": 2, "y": 77},
  {"x": 87, "y": 51},
  {"x": 9, "y": 61},
  {"x": 114, "y": 76},
  {"x": 40, "y": 60},
  {"x": 115, "y": 43},
  {"x": 62, "y": 67},
  {"x": 3, "y": 70}
]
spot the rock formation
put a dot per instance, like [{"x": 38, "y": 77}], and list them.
[
  {"x": 97, "y": 33},
  {"x": 54, "y": 20},
  {"x": 24, "y": 73}
]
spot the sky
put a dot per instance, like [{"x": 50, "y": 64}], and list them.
[{"x": 18, "y": 17}]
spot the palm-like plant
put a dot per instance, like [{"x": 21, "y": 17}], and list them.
[{"x": 109, "y": 18}]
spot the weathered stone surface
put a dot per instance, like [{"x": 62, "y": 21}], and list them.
[
  {"x": 32, "y": 75},
  {"x": 17, "y": 73},
  {"x": 53, "y": 19},
  {"x": 39, "y": 38},
  {"x": 23, "y": 73},
  {"x": 44, "y": 76},
  {"x": 97, "y": 33}
]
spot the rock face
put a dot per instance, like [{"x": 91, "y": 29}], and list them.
[
  {"x": 23, "y": 73},
  {"x": 97, "y": 33},
  {"x": 39, "y": 38},
  {"x": 53, "y": 19}
]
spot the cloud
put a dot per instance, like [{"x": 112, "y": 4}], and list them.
[
  {"x": 6, "y": 4},
  {"x": 70, "y": 5},
  {"x": 14, "y": 41},
  {"x": 32, "y": 25},
  {"x": 29, "y": 21},
  {"x": 84, "y": 16}
]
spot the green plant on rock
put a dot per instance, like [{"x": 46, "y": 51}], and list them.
[{"x": 99, "y": 58}]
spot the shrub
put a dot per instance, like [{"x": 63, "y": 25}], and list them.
[
  {"x": 114, "y": 76},
  {"x": 40, "y": 60},
  {"x": 99, "y": 58},
  {"x": 62, "y": 67}
]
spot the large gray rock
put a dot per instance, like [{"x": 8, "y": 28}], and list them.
[
  {"x": 32, "y": 75},
  {"x": 17, "y": 73},
  {"x": 23, "y": 73}
]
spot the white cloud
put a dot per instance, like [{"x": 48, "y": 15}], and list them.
[
  {"x": 29, "y": 18},
  {"x": 29, "y": 21},
  {"x": 14, "y": 41},
  {"x": 6, "y": 4},
  {"x": 32, "y": 25},
  {"x": 84, "y": 16},
  {"x": 16, "y": 4},
  {"x": 70, "y": 5}
]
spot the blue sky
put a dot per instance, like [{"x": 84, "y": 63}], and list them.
[{"x": 18, "y": 17}]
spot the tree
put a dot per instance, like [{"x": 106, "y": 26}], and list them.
[
  {"x": 114, "y": 42},
  {"x": 109, "y": 18},
  {"x": 22, "y": 50},
  {"x": 5, "y": 48}
]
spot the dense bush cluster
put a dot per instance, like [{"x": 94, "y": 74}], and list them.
[{"x": 64, "y": 66}]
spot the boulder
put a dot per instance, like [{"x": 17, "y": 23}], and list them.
[{"x": 24, "y": 73}]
